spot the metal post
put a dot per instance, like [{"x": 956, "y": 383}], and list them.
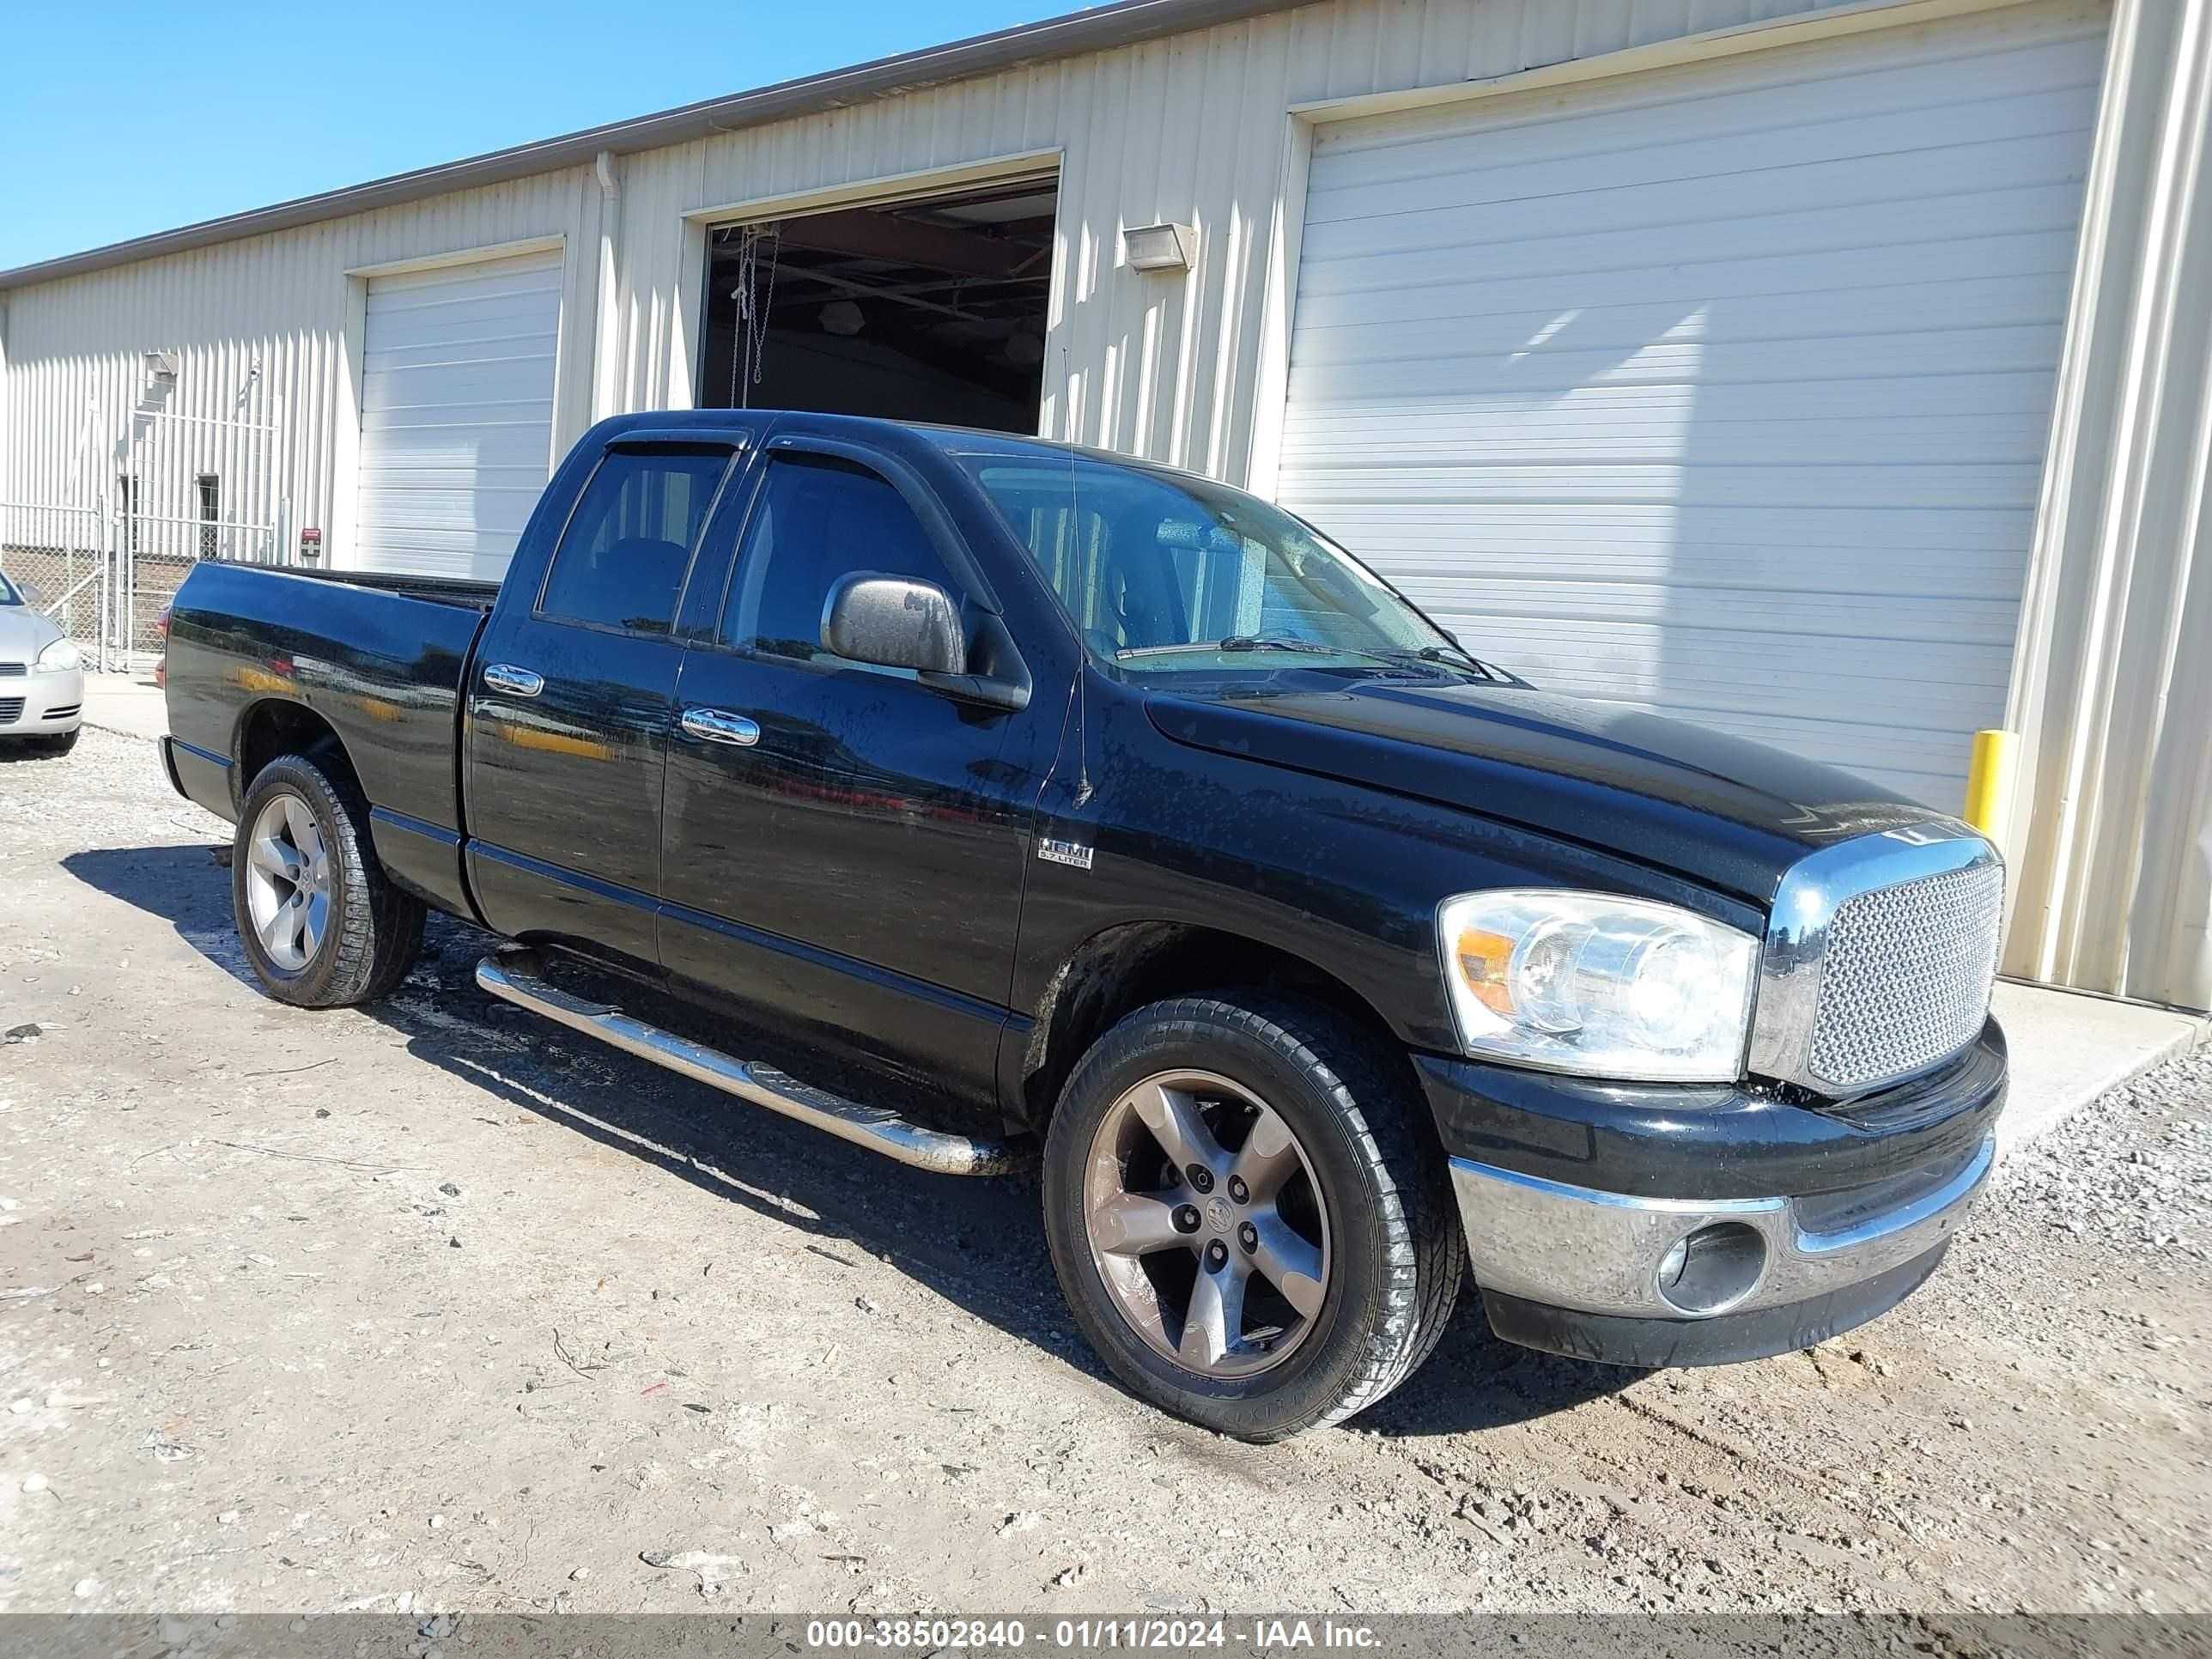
[{"x": 1990, "y": 781}]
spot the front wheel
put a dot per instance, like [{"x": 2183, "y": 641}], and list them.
[
  {"x": 321, "y": 922},
  {"x": 1245, "y": 1215}
]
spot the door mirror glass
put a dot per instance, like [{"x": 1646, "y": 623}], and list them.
[{"x": 894, "y": 622}]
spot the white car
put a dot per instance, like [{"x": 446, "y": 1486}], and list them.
[{"x": 41, "y": 676}]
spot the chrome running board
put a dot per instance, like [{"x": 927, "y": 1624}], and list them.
[{"x": 517, "y": 976}]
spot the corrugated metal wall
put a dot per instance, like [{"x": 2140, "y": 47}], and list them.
[
  {"x": 2112, "y": 681},
  {"x": 75, "y": 367},
  {"x": 1189, "y": 128}
]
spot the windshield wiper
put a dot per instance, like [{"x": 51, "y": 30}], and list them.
[
  {"x": 1450, "y": 655},
  {"x": 1443, "y": 655},
  {"x": 1314, "y": 647},
  {"x": 1254, "y": 642},
  {"x": 1234, "y": 643}
]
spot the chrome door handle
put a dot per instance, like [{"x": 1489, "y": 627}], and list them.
[
  {"x": 716, "y": 725},
  {"x": 515, "y": 681}
]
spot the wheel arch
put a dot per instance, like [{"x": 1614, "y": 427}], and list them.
[
  {"x": 1127, "y": 966},
  {"x": 271, "y": 727}
]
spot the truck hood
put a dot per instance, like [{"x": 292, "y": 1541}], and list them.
[{"x": 1731, "y": 814}]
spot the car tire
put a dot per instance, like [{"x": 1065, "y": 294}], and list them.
[
  {"x": 370, "y": 932},
  {"x": 1381, "y": 1215}
]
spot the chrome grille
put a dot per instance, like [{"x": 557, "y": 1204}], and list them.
[
  {"x": 11, "y": 671},
  {"x": 11, "y": 710},
  {"x": 1907, "y": 975}
]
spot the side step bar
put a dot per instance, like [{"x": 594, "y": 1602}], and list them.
[{"x": 517, "y": 976}]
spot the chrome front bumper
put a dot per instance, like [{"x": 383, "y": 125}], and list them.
[{"x": 1594, "y": 1252}]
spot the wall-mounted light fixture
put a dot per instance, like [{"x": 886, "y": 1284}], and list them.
[
  {"x": 1160, "y": 247},
  {"x": 162, "y": 366}
]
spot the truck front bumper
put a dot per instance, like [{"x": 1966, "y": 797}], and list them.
[{"x": 1663, "y": 1226}]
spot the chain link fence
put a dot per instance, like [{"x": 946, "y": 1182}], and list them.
[{"x": 64, "y": 560}]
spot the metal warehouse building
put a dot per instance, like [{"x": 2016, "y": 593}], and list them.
[{"x": 1835, "y": 374}]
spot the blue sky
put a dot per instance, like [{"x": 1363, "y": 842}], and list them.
[{"x": 123, "y": 118}]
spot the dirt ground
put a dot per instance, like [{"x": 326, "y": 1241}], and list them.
[{"x": 432, "y": 1306}]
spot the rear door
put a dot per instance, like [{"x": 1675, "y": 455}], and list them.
[
  {"x": 574, "y": 695},
  {"x": 845, "y": 845}
]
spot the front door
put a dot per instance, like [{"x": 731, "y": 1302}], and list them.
[
  {"x": 569, "y": 717},
  {"x": 845, "y": 845}
]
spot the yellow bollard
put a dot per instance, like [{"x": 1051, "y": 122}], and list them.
[{"x": 1989, "y": 784}]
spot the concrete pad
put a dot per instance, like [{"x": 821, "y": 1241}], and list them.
[
  {"x": 128, "y": 703},
  {"x": 2068, "y": 1048}
]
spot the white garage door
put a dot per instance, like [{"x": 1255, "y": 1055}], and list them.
[
  {"x": 457, "y": 414},
  {"x": 1723, "y": 392}
]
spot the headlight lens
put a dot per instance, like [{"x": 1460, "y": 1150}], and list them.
[
  {"x": 60, "y": 654},
  {"x": 1609, "y": 986}
]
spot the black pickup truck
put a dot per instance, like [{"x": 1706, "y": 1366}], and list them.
[{"x": 961, "y": 793}]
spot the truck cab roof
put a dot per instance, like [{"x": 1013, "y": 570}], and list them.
[{"x": 758, "y": 424}]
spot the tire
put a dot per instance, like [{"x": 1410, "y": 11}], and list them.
[
  {"x": 60, "y": 743},
  {"x": 1392, "y": 1254},
  {"x": 372, "y": 932}
]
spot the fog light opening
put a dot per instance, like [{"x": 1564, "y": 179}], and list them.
[{"x": 1712, "y": 1269}]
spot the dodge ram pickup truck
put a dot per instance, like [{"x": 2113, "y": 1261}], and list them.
[{"x": 961, "y": 794}]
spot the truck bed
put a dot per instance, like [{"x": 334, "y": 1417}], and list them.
[
  {"x": 382, "y": 659},
  {"x": 436, "y": 590}
]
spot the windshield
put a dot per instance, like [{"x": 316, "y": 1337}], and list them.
[
  {"x": 7, "y": 593},
  {"x": 1168, "y": 574}
]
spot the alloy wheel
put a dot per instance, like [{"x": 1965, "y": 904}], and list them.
[
  {"x": 288, "y": 882},
  {"x": 1206, "y": 1224}
]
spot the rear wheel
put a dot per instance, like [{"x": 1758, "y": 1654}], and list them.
[
  {"x": 322, "y": 924},
  {"x": 1246, "y": 1216}
]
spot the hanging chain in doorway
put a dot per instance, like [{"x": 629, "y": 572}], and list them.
[{"x": 757, "y": 252}]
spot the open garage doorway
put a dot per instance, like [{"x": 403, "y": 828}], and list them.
[{"x": 931, "y": 309}]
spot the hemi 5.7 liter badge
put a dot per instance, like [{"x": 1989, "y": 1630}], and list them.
[{"x": 1065, "y": 852}]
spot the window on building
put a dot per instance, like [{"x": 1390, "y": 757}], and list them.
[
  {"x": 818, "y": 520},
  {"x": 211, "y": 494},
  {"x": 622, "y": 559}
]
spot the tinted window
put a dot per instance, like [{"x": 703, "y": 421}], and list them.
[
  {"x": 818, "y": 520},
  {"x": 624, "y": 556}
]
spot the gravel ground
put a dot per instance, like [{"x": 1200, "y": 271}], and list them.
[{"x": 433, "y": 1306}]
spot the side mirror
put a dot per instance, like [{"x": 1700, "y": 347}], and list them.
[{"x": 895, "y": 624}]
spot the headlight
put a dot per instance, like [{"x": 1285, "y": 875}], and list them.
[
  {"x": 60, "y": 654},
  {"x": 1611, "y": 986}
]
